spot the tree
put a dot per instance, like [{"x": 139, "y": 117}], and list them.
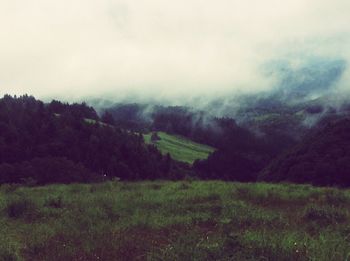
[
  {"x": 107, "y": 117},
  {"x": 155, "y": 137}
]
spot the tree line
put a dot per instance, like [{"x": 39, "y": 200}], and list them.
[{"x": 60, "y": 142}]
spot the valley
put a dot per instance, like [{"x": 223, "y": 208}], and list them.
[{"x": 175, "y": 130}]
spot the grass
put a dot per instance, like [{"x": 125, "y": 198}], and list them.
[
  {"x": 180, "y": 148},
  {"x": 186, "y": 220},
  {"x": 92, "y": 121}
]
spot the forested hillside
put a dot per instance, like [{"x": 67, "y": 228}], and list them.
[
  {"x": 54, "y": 142},
  {"x": 265, "y": 129},
  {"x": 323, "y": 158}
]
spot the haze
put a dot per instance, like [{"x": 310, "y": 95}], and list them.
[{"x": 164, "y": 49}]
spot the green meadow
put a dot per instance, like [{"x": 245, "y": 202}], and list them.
[
  {"x": 186, "y": 220},
  {"x": 180, "y": 148}
]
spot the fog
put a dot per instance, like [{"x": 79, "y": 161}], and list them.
[{"x": 170, "y": 50}]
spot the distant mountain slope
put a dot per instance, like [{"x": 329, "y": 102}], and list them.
[
  {"x": 180, "y": 148},
  {"x": 322, "y": 158},
  {"x": 305, "y": 78}
]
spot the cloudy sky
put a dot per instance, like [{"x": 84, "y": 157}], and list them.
[{"x": 115, "y": 48}]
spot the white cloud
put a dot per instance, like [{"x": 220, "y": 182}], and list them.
[{"x": 75, "y": 48}]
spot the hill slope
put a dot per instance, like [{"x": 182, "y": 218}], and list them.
[
  {"x": 62, "y": 143},
  {"x": 180, "y": 148},
  {"x": 323, "y": 158}
]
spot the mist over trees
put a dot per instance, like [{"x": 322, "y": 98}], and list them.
[
  {"x": 58, "y": 142},
  {"x": 240, "y": 153},
  {"x": 266, "y": 127}
]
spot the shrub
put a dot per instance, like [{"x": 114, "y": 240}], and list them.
[
  {"x": 22, "y": 208},
  {"x": 109, "y": 207},
  {"x": 233, "y": 242},
  {"x": 54, "y": 202},
  {"x": 243, "y": 193},
  {"x": 155, "y": 186},
  {"x": 184, "y": 186},
  {"x": 29, "y": 182},
  {"x": 9, "y": 188},
  {"x": 324, "y": 215},
  {"x": 93, "y": 188},
  {"x": 335, "y": 197}
]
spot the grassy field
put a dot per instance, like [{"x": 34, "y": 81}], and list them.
[
  {"x": 174, "y": 221},
  {"x": 180, "y": 148}
]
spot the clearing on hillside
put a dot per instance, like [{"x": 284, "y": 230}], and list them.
[{"x": 180, "y": 148}]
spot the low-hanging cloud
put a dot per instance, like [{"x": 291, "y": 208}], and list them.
[{"x": 165, "y": 49}]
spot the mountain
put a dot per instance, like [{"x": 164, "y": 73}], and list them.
[{"x": 305, "y": 79}]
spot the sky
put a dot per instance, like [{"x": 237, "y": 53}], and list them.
[{"x": 167, "y": 49}]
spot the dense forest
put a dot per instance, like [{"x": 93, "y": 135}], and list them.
[
  {"x": 58, "y": 142},
  {"x": 322, "y": 158},
  {"x": 240, "y": 153},
  {"x": 201, "y": 126},
  {"x": 273, "y": 142}
]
